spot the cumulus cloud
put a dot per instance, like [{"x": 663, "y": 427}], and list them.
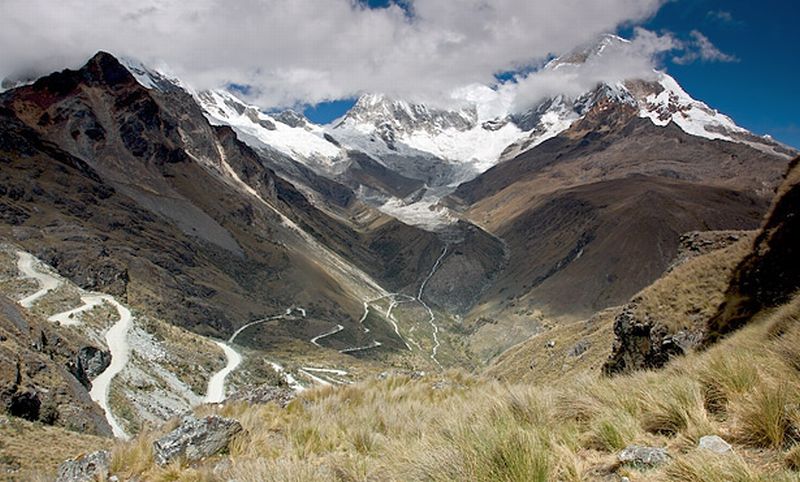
[{"x": 307, "y": 51}]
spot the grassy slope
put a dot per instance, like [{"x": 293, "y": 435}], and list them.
[
  {"x": 462, "y": 427},
  {"x": 32, "y": 451}
]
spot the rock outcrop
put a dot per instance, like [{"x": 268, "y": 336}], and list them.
[
  {"x": 641, "y": 343},
  {"x": 770, "y": 275},
  {"x": 264, "y": 394},
  {"x": 196, "y": 439},
  {"x": 39, "y": 376},
  {"x": 85, "y": 468},
  {"x": 88, "y": 363}
]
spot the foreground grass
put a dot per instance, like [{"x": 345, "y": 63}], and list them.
[
  {"x": 32, "y": 451},
  {"x": 461, "y": 427}
]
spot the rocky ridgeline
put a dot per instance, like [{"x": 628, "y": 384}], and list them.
[
  {"x": 770, "y": 275},
  {"x": 698, "y": 243}
]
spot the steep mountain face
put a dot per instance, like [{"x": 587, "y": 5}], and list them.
[
  {"x": 136, "y": 194},
  {"x": 770, "y": 275},
  {"x": 123, "y": 206},
  {"x": 146, "y": 200}
]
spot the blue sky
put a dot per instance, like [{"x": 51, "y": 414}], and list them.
[{"x": 758, "y": 90}]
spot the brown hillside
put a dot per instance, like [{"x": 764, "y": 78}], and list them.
[{"x": 770, "y": 274}]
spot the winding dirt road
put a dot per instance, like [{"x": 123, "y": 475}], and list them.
[
  {"x": 47, "y": 283},
  {"x": 116, "y": 336},
  {"x": 215, "y": 393}
]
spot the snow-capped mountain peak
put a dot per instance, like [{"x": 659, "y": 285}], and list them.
[
  {"x": 587, "y": 52},
  {"x": 389, "y": 128},
  {"x": 446, "y": 146},
  {"x": 288, "y": 132},
  {"x": 407, "y": 117}
]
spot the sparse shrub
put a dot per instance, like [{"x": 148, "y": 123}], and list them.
[
  {"x": 785, "y": 318},
  {"x": 483, "y": 451},
  {"x": 788, "y": 346},
  {"x": 131, "y": 458},
  {"x": 792, "y": 458},
  {"x": 612, "y": 432}
]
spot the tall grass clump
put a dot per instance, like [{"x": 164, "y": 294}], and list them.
[
  {"x": 767, "y": 415},
  {"x": 726, "y": 375},
  {"x": 673, "y": 405}
]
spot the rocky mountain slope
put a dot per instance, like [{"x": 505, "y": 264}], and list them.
[
  {"x": 45, "y": 373},
  {"x": 143, "y": 198},
  {"x": 746, "y": 278}
]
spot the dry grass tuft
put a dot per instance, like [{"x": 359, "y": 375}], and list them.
[
  {"x": 704, "y": 466},
  {"x": 767, "y": 416}
]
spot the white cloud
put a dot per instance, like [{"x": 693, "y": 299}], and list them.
[
  {"x": 298, "y": 51},
  {"x": 619, "y": 60},
  {"x": 701, "y": 48},
  {"x": 722, "y": 16}
]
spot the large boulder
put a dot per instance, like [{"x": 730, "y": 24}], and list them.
[
  {"x": 195, "y": 439},
  {"x": 90, "y": 467},
  {"x": 88, "y": 364}
]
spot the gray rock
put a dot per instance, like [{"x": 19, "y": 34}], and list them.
[
  {"x": 264, "y": 394},
  {"x": 579, "y": 348},
  {"x": 291, "y": 118},
  {"x": 714, "y": 443},
  {"x": 93, "y": 360},
  {"x": 85, "y": 468},
  {"x": 195, "y": 439},
  {"x": 640, "y": 456}
]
